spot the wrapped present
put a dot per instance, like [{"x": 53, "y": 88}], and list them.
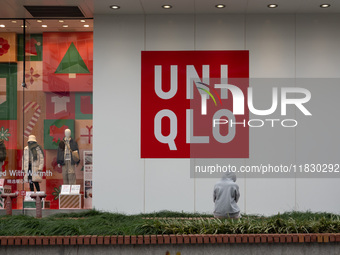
[{"x": 69, "y": 201}]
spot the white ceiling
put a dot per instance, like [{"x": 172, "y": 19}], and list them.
[
  {"x": 15, "y": 9},
  {"x": 208, "y": 6}
]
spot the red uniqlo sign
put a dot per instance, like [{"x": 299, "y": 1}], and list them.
[{"x": 194, "y": 104}]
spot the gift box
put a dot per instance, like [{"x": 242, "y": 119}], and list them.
[{"x": 70, "y": 201}]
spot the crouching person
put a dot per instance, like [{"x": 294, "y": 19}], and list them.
[{"x": 226, "y": 196}]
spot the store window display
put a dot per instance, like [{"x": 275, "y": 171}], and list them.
[{"x": 46, "y": 84}]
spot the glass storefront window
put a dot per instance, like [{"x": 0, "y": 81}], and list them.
[{"x": 44, "y": 124}]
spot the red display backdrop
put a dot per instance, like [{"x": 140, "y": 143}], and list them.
[
  {"x": 173, "y": 124},
  {"x": 68, "y": 62}
]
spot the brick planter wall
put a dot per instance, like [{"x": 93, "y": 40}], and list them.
[{"x": 169, "y": 239}]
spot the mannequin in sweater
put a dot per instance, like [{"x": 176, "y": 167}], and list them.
[{"x": 64, "y": 158}]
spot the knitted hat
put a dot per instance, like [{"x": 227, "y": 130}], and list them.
[{"x": 32, "y": 138}]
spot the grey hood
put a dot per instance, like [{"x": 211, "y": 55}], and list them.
[
  {"x": 228, "y": 175},
  {"x": 226, "y": 196}
]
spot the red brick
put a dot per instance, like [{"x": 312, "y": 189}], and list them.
[
  {"x": 93, "y": 240},
  {"x": 60, "y": 240},
  {"x": 276, "y": 238},
  {"x": 10, "y": 240},
  {"x": 127, "y": 239},
  {"x": 320, "y": 238},
  {"x": 100, "y": 240},
  {"x": 225, "y": 238},
  {"x": 39, "y": 240},
  {"x": 80, "y": 240},
  {"x": 53, "y": 240},
  {"x": 295, "y": 238},
  {"x": 114, "y": 239},
  {"x": 289, "y": 238},
  {"x": 251, "y": 238},
  {"x": 257, "y": 239},
  {"x": 244, "y": 238},
  {"x": 166, "y": 239},
  {"x": 120, "y": 239},
  {"x": 199, "y": 239},
  {"x": 87, "y": 240},
  {"x": 313, "y": 238},
  {"x": 159, "y": 239},
  {"x": 206, "y": 239},
  {"x": 133, "y": 239},
  {"x": 337, "y": 237},
  {"x": 270, "y": 238},
  {"x": 283, "y": 238},
  {"x": 326, "y": 238},
  {"x": 153, "y": 239},
  {"x": 186, "y": 239},
  {"x": 232, "y": 239},
  {"x": 179, "y": 238},
  {"x": 332, "y": 238},
  {"x": 238, "y": 239},
  {"x": 301, "y": 238},
  {"x": 46, "y": 240},
  {"x": 212, "y": 238},
  {"x": 31, "y": 240},
  {"x": 219, "y": 239},
  {"x": 107, "y": 240},
  {"x": 17, "y": 240},
  {"x": 66, "y": 240},
  {"x": 140, "y": 239},
  {"x": 24, "y": 240},
  {"x": 307, "y": 238},
  {"x": 147, "y": 239},
  {"x": 3, "y": 240},
  {"x": 263, "y": 238},
  {"x": 74, "y": 240}
]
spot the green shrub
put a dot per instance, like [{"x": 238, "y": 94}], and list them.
[{"x": 94, "y": 222}]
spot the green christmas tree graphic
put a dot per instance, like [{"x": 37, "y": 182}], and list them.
[{"x": 72, "y": 63}]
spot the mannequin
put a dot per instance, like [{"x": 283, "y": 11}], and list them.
[
  {"x": 33, "y": 163},
  {"x": 64, "y": 158},
  {"x": 3, "y": 153}
]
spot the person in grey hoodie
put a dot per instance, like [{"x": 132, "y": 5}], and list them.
[{"x": 226, "y": 196}]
